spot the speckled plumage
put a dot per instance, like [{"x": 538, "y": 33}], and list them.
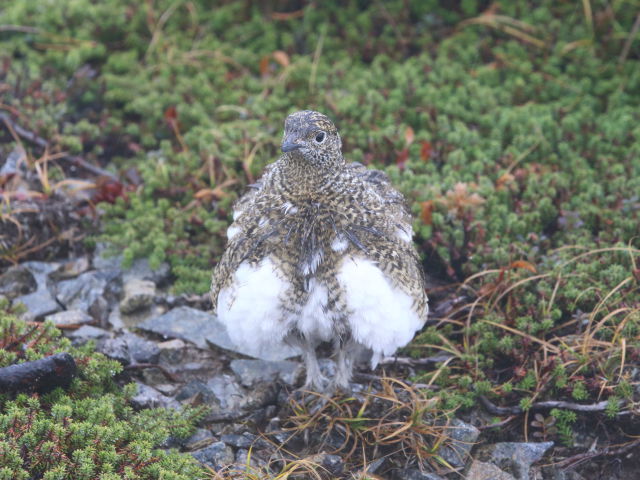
[{"x": 304, "y": 241}]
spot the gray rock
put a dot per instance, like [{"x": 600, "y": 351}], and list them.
[
  {"x": 69, "y": 317},
  {"x": 173, "y": 352},
  {"x": 89, "y": 292},
  {"x": 516, "y": 457},
  {"x": 333, "y": 464},
  {"x": 71, "y": 269},
  {"x": 38, "y": 304},
  {"x": 41, "y": 302},
  {"x": 99, "y": 310},
  {"x": 166, "y": 388},
  {"x": 486, "y": 471},
  {"x": 175, "y": 344},
  {"x": 87, "y": 332},
  {"x": 415, "y": 474},
  {"x": 203, "y": 329},
  {"x": 13, "y": 163},
  {"x": 274, "y": 430},
  {"x": 555, "y": 473},
  {"x": 189, "y": 324},
  {"x": 104, "y": 258},
  {"x": 133, "y": 319},
  {"x": 251, "y": 372},
  {"x": 217, "y": 455},
  {"x": 116, "y": 349},
  {"x": 114, "y": 320},
  {"x": 200, "y": 439},
  {"x": 463, "y": 436},
  {"x": 141, "y": 349},
  {"x": 153, "y": 376},
  {"x": 130, "y": 348},
  {"x": 244, "y": 440},
  {"x": 197, "y": 388},
  {"x": 17, "y": 281},
  {"x": 274, "y": 425},
  {"x": 244, "y": 459},
  {"x": 138, "y": 295},
  {"x": 375, "y": 465},
  {"x": 228, "y": 392},
  {"x": 140, "y": 269},
  {"x": 148, "y": 397},
  {"x": 41, "y": 268},
  {"x": 257, "y": 415}
]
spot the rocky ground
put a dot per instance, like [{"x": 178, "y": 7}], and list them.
[{"x": 178, "y": 353}]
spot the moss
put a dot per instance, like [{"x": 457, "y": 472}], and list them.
[
  {"x": 88, "y": 431},
  {"x": 523, "y": 173}
]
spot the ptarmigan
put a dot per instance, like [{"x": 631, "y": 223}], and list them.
[{"x": 320, "y": 250}]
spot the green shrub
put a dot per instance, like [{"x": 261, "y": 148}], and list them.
[
  {"x": 88, "y": 431},
  {"x": 522, "y": 171}
]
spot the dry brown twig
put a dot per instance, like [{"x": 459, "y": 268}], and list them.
[
  {"x": 42, "y": 143},
  {"x": 605, "y": 452}
]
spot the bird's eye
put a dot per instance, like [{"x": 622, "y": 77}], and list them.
[{"x": 320, "y": 136}]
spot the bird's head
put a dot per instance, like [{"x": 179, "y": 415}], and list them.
[{"x": 313, "y": 136}]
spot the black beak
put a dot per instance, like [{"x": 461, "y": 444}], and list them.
[{"x": 289, "y": 146}]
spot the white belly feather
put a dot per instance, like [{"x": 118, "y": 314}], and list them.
[
  {"x": 381, "y": 319},
  {"x": 250, "y": 309}
]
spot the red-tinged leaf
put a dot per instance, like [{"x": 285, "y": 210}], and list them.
[
  {"x": 230, "y": 76},
  {"x": 504, "y": 180},
  {"x": 523, "y": 264},
  {"x": 401, "y": 159},
  {"x": 134, "y": 147},
  {"x": 195, "y": 219},
  {"x": 519, "y": 372},
  {"x": 425, "y": 151},
  {"x": 171, "y": 114},
  {"x": 409, "y": 136},
  {"x": 264, "y": 65},
  {"x": 426, "y": 212},
  {"x": 108, "y": 190},
  {"x": 281, "y": 57}
]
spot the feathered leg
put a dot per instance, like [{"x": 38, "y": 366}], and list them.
[
  {"x": 345, "y": 351},
  {"x": 315, "y": 380}
]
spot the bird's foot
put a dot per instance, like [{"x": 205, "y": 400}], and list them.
[
  {"x": 316, "y": 382},
  {"x": 339, "y": 386}
]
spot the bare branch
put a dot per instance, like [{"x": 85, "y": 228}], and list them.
[
  {"x": 578, "y": 407},
  {"x": 42, "y": 143},
  {"x": 38, "y": 375}
]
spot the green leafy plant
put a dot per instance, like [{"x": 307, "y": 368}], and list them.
[
  {"x": 564, "y": 421},
  {"x": 512, "y": 132},
  {"x": 88, "y": 431}
]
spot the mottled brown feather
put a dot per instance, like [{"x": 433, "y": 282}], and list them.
[{"x": 306, "y": 199}]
